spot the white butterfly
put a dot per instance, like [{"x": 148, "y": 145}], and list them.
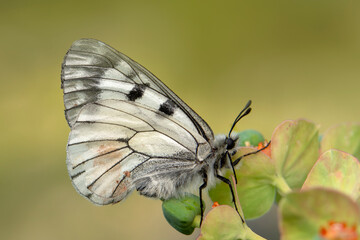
[{"x": 129, "y": 131}]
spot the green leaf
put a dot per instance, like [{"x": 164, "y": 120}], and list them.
[
  {"x": 344, "y": 137},
  {"x": 224, "y": 223},
  {"x": 221, "y": 193},
  {"x": 338, "y": 170},
  {"x": 255, "y": 189},
  {"x": 181, "y": 213},
  {"x": 250, "y": 138},
  {"x": 303, "y": 214},
  {"x": 294, "y": 149}
]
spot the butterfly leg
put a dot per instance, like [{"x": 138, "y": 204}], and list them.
[
  {"x": 200, "y": 194},
  {"x": 232, "y": 166},
  {"x": 227, "y": 181}
]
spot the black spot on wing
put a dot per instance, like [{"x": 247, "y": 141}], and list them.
[
  {"x": 136, "y": 92},
  {"x": 168, "y": 107}
]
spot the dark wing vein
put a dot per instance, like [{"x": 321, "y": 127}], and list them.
[
  {"x": 133, "y": 115},
  {"x": 109, "y": 123},
  {"x": 117, "y": 53},
  {"x": 100, "y": 155},
  {"x": 77, "y": 174},
  {"x": 76, "y": 106},
  {"x": 97, "y": 54},
  {"x": 149, "y": 109},
  {"x": 125, "y": 178},
  {"x": 107, "y": 170},
  {"x": 112, "y": 64},
  {"x": 97, "y": 140}
]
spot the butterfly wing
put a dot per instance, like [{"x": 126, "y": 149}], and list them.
[
  {"x": 114, "y": 144},
  {"x": 128, "y": 130},
  {"x": 93, "y": 71}
]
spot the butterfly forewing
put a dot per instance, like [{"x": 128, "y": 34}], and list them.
[{"x": 94, "y": 71}]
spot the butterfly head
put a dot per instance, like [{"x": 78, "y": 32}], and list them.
[
  {"x": 231, "y": 142},
  {"x": 227, "y": 143}
]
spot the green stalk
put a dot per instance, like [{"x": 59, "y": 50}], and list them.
[{"x": 281, "y": 185}]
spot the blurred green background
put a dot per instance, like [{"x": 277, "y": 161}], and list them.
[{"x": 292, "y": 58}]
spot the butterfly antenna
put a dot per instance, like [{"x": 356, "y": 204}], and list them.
[
  {"x": 246, "y": 110},
  {"x": 250, "y": 153}
]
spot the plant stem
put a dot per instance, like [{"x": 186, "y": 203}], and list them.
[
  {"x": 250, "y": 235},
  {"x": 196, "y": 222},
  {"x": 281, "y": 185},
  {"x": 238, "y": 200}
]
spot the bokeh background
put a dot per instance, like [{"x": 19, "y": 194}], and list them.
[{"x": 292, "y": 58}]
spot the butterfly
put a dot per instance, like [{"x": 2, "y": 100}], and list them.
[{"x": 129, "y": 131}]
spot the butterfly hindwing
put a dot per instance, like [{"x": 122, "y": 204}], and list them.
[{"x": 112, "y": 139}]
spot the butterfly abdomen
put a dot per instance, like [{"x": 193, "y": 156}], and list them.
[{"x": 172, "y": 179}]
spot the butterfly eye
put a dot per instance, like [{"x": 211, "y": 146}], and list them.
[{"x": 230, "y": 143}]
